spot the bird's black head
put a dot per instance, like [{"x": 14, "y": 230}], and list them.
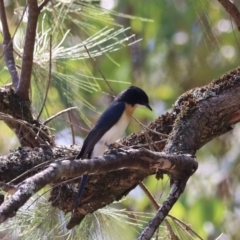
[{"x": 134, "y": 95}]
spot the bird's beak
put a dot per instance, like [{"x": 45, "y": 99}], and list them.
[{"x": 148, "y": 106}]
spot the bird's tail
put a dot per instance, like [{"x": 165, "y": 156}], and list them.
[{"x": 80, "y": 191}]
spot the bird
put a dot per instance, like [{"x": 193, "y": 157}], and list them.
[{"x": 110, "y": 127}]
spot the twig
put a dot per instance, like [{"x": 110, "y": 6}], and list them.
[
  {"x": 171, "y": 232},
  {"x": 43, "y": 4},
  {"x": 149, "y": 195},
  {"x": 58, "y": 114},
  {"x": 183, "y": 225},
  {"x": 31, "y": 170},
  {"x": 148, "y": 139},
  {"x": 20, "y": 21},
  {"x": 95, "y": 65},
  {"x": 188, "y": 230},
  {"x": 145, "y": 144},
  {"x": 28, "y": 50},
  {"x": 25, "y": 124},
  {"x": 8, "y": 47},
  {"x": 186, "y": 226},
  {"x": 150, "y": 130},
  {"x": 42, "y": 165},
  {"x": 231, "y": 8},
  {"x": 71, "y": 126},
  {"x": 76, "y": 126},
  {"x": 176, "y": 190},
  {"x": 49, "y": 78},
  {"x": 35, "y": 200}
]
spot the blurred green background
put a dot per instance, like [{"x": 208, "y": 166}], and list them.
[{"x": 170, "y": 47}]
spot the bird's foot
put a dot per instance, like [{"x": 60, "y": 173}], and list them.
[{"x": 118, "y": 147}]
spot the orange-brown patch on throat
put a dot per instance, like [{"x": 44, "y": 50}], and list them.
[{"x": 129, "y": 110}]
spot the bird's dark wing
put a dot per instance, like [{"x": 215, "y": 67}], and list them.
[{"x": 109, "y": 117}]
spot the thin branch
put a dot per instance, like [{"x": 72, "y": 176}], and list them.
[
  {"x": 43, "y": 4},
  {"x": 173, "y": 236},
  {"x": 76, "y": 126},
  {"x": 25, "y": 124},
  {"x": 41, "y": 165},
  {"x": 20, "y": 21},
  {"x": 8, "y": 47},
  {"x": 58, "y": 114},
  {"x": 95, "y": 65},
  {"x": 28, "y": 50},
  {"x": 231, "y": 8},
  {"x": 149, "y": 195},
  {"x": 182, "y": 224},
  {"x": 186, "y": 228},
  {"x": 49, "y": 78},
  {"x": 71, "y": 126},
  {"x": 145, "y": 144},
  {"x": 150, "y": 130},
  {"x": 176, "y": 190}
]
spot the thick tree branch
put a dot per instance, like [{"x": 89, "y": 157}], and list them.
[
  {"x": 28, "y": 50},
  {"x": 203, "y": 103},
  {"x": 8, "y": 47},
  {"x": 231, "y": 8},
  {"x": 132, "y": 159},
  {"x": 197, "y": 117},
  {"x": 27, "y": 161}
]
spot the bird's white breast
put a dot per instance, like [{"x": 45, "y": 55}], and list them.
[{"x": 113, "y": 134}]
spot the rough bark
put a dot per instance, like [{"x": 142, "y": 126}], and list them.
[
  {"x": 232, "y": 9},
  {"x": 17, "y": 114},
  {"x": 197, "y": 117},
  {"x": 15, "y": 105},
  {"x": 23, "y": 87},
  {"x": 141, "y": 159}
]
